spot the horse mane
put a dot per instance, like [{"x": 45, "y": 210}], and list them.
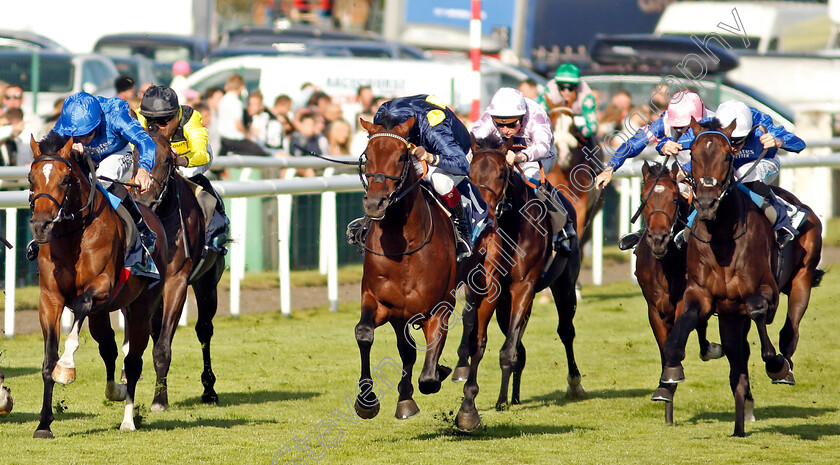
[
  {"x": 658, "y": 169},
  {"x": 490, "y": 142},
  {"x": 52, "y": 143},
  {"x": 713, "y": 124}
]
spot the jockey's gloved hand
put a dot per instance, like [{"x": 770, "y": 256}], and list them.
[
  {"x": 671, "y": 148},
  {"x": 513, "y": 158}
]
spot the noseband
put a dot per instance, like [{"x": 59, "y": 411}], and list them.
[{"x": 61, "y": 215}]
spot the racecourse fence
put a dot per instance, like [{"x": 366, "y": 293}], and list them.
[{"x": 327, "y": 185}]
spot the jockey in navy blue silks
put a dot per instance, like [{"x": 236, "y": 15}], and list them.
[
  {"x": 102, "y": 128},
  {"x": 748, "y": 142},
  {"x": 442, "y": 141}
]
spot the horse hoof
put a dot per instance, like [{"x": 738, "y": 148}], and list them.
[
  {"x": 43, "y": 434},
  {"x": 662, "y": 394},
  {"x": 501, "y": 406},
  {"x": 460, "y": 374},
  {"x": 126, "y": 426},
  {"x": 575, "y": 390},
  {"x": 786, "y": 380},
  {"x": 428, "y": 386},
  {"x": 210, "y": 398},
  {"x": 364, "y": 412},
  {"x": 6, "y": 402},
  {"x": 115, "y": 392},
  {"x": 782, "y": 373},
  {"x": 157, "y": 407},
  {"x": 713, "y": 352},
  {"x": 749, "y": 408},
  {"x": 672, "y": 375},
  {"x": 467, "y": 421},
  {"x": 406, "y": 409},
  {"x": 63, "y": 375},
  {"x": 443, "y": 371}
]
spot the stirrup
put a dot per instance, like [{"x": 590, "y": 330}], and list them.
[
  {"x": 679, "y": 239},
  {"x": 784, "y": 237},
  {"x": 32, "y": 250},
  {"x": 462, "y": 249},
  {"x": 629, "y": 240},
  {"x": 357, "y": 231}
]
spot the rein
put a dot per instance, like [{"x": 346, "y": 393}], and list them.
[
  {"x": 61, "y": 215},
  {"x": 500, "y": 197}
]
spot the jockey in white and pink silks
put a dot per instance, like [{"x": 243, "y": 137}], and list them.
[{"x": 511, "y": 115}]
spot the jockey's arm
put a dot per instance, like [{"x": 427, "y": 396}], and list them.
[
  {"x": 449, "y": 156},
  {"x": 132, "y": 131},
  {"x": 789, "y": 141},
  {"x": 541, "y": 137},
  {"x": 590, "y": 115},
  {"x": 197, "y": 139}
]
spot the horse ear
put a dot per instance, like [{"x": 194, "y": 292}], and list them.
[
  {"x": 473, "y": 142},
  {"x": 728, "y": 130},
  {"x": 645, "y": 170},
  {"x": 695, "y": 126},
  {"x": 369, "y": 127},
  {"x": 33, "y": 144},
  {"x": 65, "y": 151},
  {"x": 405, "y": 127},
  {"x": 507, "y": 145},
  {"x": 674, "y": 170}
]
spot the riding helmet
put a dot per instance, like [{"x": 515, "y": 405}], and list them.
[
  {"x": 733, "y": 110},
  {"x": 80, "y": 115},
  {"x": 507, "y": 102},
  {"x": 159, "y": 101},
  {"x": 567, "y": 72},
  {"x": 684, "y": 106}
]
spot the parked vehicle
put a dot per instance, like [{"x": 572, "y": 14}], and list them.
[
  {"x": 27, "y": 40},
  {"x": 140, "y": 68},
  {"x": 268, "y": 36},
  {"x": 162, "y": 49}
]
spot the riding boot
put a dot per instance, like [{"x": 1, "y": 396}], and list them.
[
  {"x": 629, "y": 240},
  {"x": 559, "y": 218},
  {"x": 147, "y": 236},
  {"x": 357, "y": 231},
  {"x": 462, "y": 231},
  {"x": 563, "y": 243}
]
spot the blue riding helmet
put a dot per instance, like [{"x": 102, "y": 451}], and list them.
[{"x": 80, "y": 115}]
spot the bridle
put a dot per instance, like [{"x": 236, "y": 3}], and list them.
[
  {"x": 61, "y": 214},
  {"x": 405, "y": 158},
  {"x": 164, "y": 187},
  {"x": 672, "y": 219},
  {"x": 500, "y": 197},
  {"x": 710, "y": 181}
]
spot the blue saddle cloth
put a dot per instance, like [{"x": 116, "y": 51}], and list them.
[{"x": 475, "y": 208}]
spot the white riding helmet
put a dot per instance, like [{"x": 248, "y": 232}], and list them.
[
  {"x": 733, "y": 110},
  {"x": 507, "y": 103}
]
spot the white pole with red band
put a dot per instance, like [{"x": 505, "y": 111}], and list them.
[{"x": 475, "y": 56}]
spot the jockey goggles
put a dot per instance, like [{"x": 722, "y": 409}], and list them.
[
  {"x": 507, "y": 122},
  {"x": 160, "y": 120},
  {"x": 567, "y": 86}
]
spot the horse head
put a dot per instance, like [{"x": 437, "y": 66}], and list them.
[
  {"x": 711, "y": 166},
  {"x": 161, "y": 173},
  {"x": 661, "y": 208},
  {"x": 489, "y": 170},
  {"x": 388, "y": 166},
  {"x": 55, "y": 186}
]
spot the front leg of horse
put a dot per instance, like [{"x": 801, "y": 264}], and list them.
[
  {"x": 65, "y": 369},
  {"x": 733, "y": 336},
  {"x": 163, "y": 331},
  {"x": 367, "y": 404},
  {"x": 50, "y": 314},
  {"x": 675, "y": 343},
  {"x": 462, "y": 369},
  {"x": 565, "y": 301},
  {"x": 433, "y": 373},
  {"x": 708, "y": 350},
  {"x": 468, "y": 418},
  {"x": 207, "y": 302},
  {"x": 522, "y": 298},
  {"x": 103, "y": 334},
  {"x": 406, "y": 406},
  {"x": 758, "y": 307},
  {"x": 138, "y": 318}
]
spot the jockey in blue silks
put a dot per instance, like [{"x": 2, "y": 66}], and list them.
[
  {"x": 102, "y": 128},
  {"x": 443, "y": 142},
  {"x": 672, "y": 124},
  {"x": 748, "y": 142}
]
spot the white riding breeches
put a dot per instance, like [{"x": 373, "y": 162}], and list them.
[
  {"x": 118, "y": 166},
  {"x": 767, "y": 171},
  {"x": 191, "y": 171},
  {"x": 442, "y": 181}
]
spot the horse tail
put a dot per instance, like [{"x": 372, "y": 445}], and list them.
[{"x": 816, "y": 280}]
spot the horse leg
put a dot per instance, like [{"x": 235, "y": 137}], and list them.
[
  {"x": 207, "y": 301},
  {"x": 708, "y": 350},
  {"x": 367, "y": 404},
  {"x": 434, "y": 330},
  {"x": 522, "y": 298},
  {"x": 695, "y": 301},
  {"x": 503, "y": 317},
  {"x": 565, "y": 301},
  {"x": 164, "y": 326},
  {"x": 664, "y": 392},
  {"x": 758, "y": 307},
  {"x": 138, "y": 318},
  {"x": 468, "y": 418},
  {"x": 406, "y": 407},
  {"x": 50, "y": 314},
  {"x": 733, "y": 332},
  {"x": 462, "y": 368},
  {"x": 798, "y": 299},
  {"x": 103, "y": 334}
]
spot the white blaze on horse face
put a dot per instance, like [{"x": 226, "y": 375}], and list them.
[
  {"x": 659, "y": 188},
  {"x": 47, "y": 170}
]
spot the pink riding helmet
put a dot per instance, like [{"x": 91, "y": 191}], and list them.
[
  {"x": 683, "y": 106},
  {"x": 181, "y": 68}
]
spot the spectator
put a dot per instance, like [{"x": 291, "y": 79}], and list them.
[
  {"x": 529, "y": 89},
  {"x": 282, "y": 105},
  {"x": 206, "y": 115},
  {"x": 142, "y": 89},
  {"x": 13, "y": 99},
  {"x": 338, "y": 137},
  {"x": 125, "y": 86},
  {"x": 377, "y": 102},
  {"x": 308, "y": 140},
  {"x": 212, "y": 97},
  {"x": 180, "y": 71},
  {"x": 49, "y": 122},
  {"x": 14, "y": 149},
  {"x": 360, "y": 137},
  {"x": 264, "y": 127},
  {"x": 364, "y": 97},
  {"x": 332, "y": 113},
  {"x": 234, "y": 136}
]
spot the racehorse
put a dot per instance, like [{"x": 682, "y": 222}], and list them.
[
  {"x": 409, "y": 267},
  {"x": 517, "y": 253},
  {"x": 732, "y": 258},
  {"x": 174, "y": 201},
  {"x": 81, "y": 259},
  {"x": 661, "y": 267},
  {"x": 574, "y": 173},
  {"x": 6, "y": 401}
]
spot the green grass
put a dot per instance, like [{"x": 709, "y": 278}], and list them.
[{"x": 279, "y": 378}]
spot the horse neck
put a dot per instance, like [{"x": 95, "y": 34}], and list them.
[
  {"x": 409, "y": 210},
  {"x": 730, "y": 217}
]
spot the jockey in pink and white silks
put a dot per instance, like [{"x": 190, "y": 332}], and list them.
[{"x": 511, "y": 115}]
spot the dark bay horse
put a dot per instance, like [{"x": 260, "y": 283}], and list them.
[
  {"x": 174, "y": 201},
  {"x": 81, "y": 266},
  {"x": 574, "y": 175},
  {"x": 732, "y": 258},
  {"x": 516, "y": 253},
  {"x": 6, "y": 401},
  {"x": 409, "y": 267},
  {"x": 661, "y": 268}
]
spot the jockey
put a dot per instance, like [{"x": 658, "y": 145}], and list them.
[
  {"x": 159, "y": 107},
  {"x": 672, "y": 124},
  {"x": 567, "y": 90},
  {"x": 103, "y": 128},
  {"x": 754, "y": 134},
  {"x": 443, "y": 142},
  {"x": 510, "y": 114}
]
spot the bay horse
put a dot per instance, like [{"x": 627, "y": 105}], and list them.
[
  {"x": 409, "y": 268},
  {"x": 732, "y": 258},
  {"x": 574, "y": 175},
  {"x": 187, "y": 264},
  {"x": 661, "y": 267},
  {"x": 81, "y": 267},
  {"x": 517, "y": 250}
]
